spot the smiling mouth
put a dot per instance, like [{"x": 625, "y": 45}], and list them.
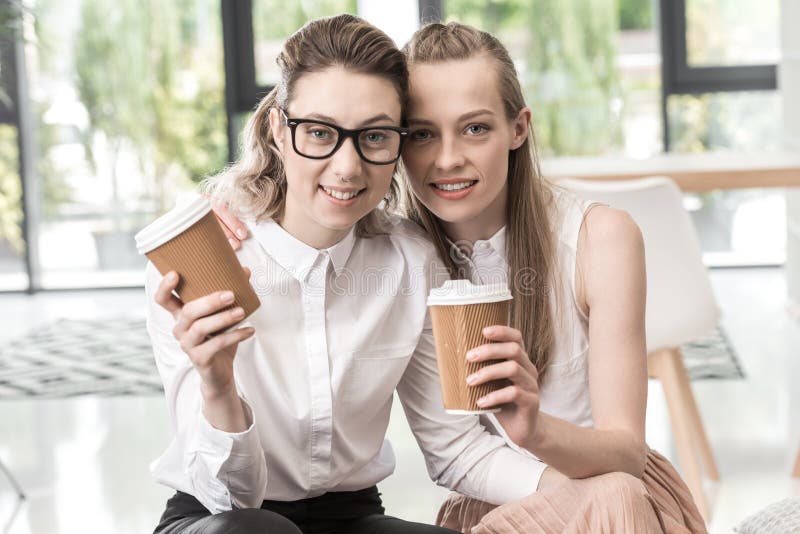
[
  {"x": 458, "y": 186},
  {"x": 341, "y": 195}
]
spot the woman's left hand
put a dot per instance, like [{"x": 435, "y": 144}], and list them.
[{"x": 519, "y": 402}]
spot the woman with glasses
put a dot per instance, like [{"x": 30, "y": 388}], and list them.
[
  {"x": 280, "y": 426},
  {"x": 575, "y": 351}
]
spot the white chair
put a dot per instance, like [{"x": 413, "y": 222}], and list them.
[{"x": 680, "y": 306}]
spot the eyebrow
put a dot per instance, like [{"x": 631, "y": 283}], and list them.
[
  {"x": 380, "y": 117},
  {"x": 462, "y": 118}
]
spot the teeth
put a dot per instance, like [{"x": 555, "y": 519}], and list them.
[
  {"x": 453, "y": 187},
  {"x": 341, "y": 195}
]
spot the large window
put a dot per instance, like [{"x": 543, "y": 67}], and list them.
[
  {"x": 130, "y": 102},
  {"x": 719, "y": 95},
  {"x": 127, "y": 110}
]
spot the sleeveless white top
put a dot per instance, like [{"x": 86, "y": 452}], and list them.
[{"x": 564, "y": 393}]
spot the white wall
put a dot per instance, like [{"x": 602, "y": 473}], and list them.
[{"x": 789, "y": 85}]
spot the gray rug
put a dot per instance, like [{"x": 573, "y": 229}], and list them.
[{"x": 113, "y": 357}]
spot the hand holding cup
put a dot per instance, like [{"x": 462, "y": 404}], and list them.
[
  {"x": 197, "y": 327},
  {"x": 519, "y": 400}
]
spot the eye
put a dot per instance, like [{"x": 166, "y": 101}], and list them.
[
  {"x": 320, "y": 134},
  {"x": 477, "y": 129},
  {"x": 375, "y": 137},
  {"x": 420, "y": 135}
]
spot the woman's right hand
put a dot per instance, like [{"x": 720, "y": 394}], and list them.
[
  {"x": 195, "y": 321},
  {"x": 234, "y": 229}
]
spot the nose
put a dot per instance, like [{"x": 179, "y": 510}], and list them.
[
  {"x": 450, "y": 156},
  {"x": 346, "y": 163}
]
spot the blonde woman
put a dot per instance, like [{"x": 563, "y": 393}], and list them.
[
  {"x": 577, "y": 273},
  {"x": 575, "y": 351},
  {"x": 280, "y": 426}
]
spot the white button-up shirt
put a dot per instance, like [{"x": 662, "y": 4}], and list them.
[{"x": 338, "y": 331}]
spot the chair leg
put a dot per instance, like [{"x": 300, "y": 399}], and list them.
[
  {"x": 698, "y": 430},
  {"x": 796, "y": 470},
  {"x": 662, "y": 366}
]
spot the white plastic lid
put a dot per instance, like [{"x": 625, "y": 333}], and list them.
[
  {"x": 172, "y": 223},
  {"x": 455, "y": 292}
]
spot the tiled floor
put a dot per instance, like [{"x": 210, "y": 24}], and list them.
[{"x": 83, "y": 462}]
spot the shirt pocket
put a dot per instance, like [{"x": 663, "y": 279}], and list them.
[
  {"x": 383, "y": 352},
  {"x": 372, "y": 374}
]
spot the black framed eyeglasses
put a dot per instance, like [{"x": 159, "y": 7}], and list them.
[{"x": 378, "y": 145}]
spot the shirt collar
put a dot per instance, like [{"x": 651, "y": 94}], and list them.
[
  {"x": 497, "y": 242},
  {"x": 294, "y": 255}
]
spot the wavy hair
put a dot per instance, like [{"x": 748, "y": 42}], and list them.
[{"x": 255, "y": 185}]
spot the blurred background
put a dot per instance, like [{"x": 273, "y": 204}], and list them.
[
  {"x": 125, "y": 106},
  {"x": 108, "y": 110}
]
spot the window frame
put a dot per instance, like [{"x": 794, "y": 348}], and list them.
[{"x": 678, "y": 77}]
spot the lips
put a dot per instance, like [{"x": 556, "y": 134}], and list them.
[
  {"x": 341, "y": 193},
  {"x": 453, "y": 188}
]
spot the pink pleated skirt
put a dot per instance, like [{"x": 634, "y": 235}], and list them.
[{"x": 659, "y": 502}]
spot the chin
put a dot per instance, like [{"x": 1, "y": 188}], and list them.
[
  {"x": 454, "y": 214},
  {"x": 338, "y": 223}
]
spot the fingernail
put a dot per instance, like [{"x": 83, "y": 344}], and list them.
[
  {"x": 241, "y": 233},
  {"x": 471, "y": 378},
  {"x": 238, "y": 313},
  {"x": 233, "y": 243},
  {"x": 227, "y": 296},
  {"x": 481, "y": 402},
  {"x": 171, "y": 277},
  {"x": 488, "y": 331},
  {"x": 471, "y": 355}
]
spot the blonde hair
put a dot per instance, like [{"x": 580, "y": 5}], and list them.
[
  {"x": 255, "y": 185},
  {"x": 530, "y": 243}
]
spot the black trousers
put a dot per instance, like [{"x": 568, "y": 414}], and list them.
[{"x": 346, "y": 512}]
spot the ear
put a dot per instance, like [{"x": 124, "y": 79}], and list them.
[
  {"x": 520, "y": 125},
  {"x": 277, "y": 127}
]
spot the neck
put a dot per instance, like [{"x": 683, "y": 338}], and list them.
[
  {"x": 312, "y": 234},
  {"x": 472, "y": 230}
]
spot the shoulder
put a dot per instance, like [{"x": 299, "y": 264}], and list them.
[
  {"x": 606, "y": 228},
  {"x": 610, "y": 251}
]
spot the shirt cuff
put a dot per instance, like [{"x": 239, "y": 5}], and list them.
[
  {"x": 227, "y": 451},
  {"x": 516, "y": 477}
]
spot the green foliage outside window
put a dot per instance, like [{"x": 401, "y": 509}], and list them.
[
  {"x": 565, "y": 53},
  {"x": 277, "y": 19},
  {"x": 146, "y": 84},
  {"x": 10, "y": 191}
]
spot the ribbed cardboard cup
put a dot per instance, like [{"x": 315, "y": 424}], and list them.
[
  {"x": 460, "y": 311},
  {"x": 189, "y": 240}
]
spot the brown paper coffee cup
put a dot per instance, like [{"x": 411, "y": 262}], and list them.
[
  {"x": 460, "y": 311},
  {"x": 189, "y": 240}
]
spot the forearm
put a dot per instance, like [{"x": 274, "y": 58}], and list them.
[{"x": 580, "y": 452}]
